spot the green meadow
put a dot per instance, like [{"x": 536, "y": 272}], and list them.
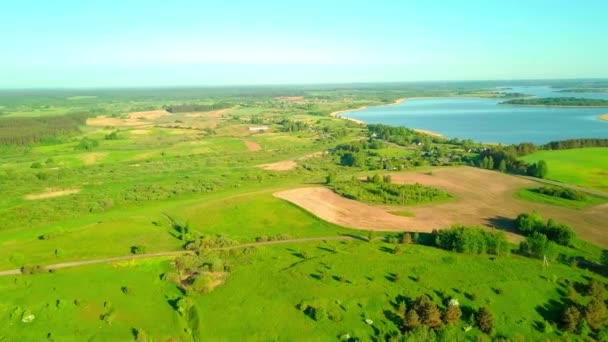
[
  {"x": 107, "y": 183},
  {"x": 582, "y": 166}
]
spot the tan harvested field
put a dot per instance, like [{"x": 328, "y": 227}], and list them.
[
  {"x": 482, "y": 198},
  {"x": 50, "y": 193},
  {"x": 140, "y": 131},
  {"x": 148, "y": 115},
  {"x": 289, "y": 98},
  {"x": 604, "y": 117},
  {"x": 211, "y": 118},
  {"x": 133, "y": 119},
  {"x": 93, "y": 157},
  {"x": 252, "y": 146},
  {"x": 287, "y": 165}
]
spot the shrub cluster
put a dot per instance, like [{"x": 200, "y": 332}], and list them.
[
  {"x": 472, "y": 240},
  {"x": 565, "y": 193},
  {"x": 582, "y": 319},
  {"x": 530, "y": 223},
  {"x": 378, "y": 190}
]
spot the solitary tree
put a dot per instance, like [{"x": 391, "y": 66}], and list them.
[
  {"x": 485, "y": 321},
  {"x": 541, "y": 169},
  {"x": 502, "y": 166},
  {"x": 571, "y": 318},
  {"x": 596, "y": 289},
  {"x": 604, "y": 259},
  {"x": 428, "y": 312},
  {"x": 453, "y": 313},
  {"x": 411, "y": 321},
  {"x": 595, "y": 313}
]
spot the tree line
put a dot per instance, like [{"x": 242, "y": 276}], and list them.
[
  {"x": 505, "y": 159},
  {"x": 575, "y": 143},
  {"x": 27, "y": 130},
  {"x": 186, "y": 108},
  {"x": 558, "y": 101}
]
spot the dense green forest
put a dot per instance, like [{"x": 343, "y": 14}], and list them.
[
  {"x": 558, "y": 101},
  {"x": 27, "y": 130}
]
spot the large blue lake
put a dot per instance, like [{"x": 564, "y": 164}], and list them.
[{"x": 484, "y": 120}]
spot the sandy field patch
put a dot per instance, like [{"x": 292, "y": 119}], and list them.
[
  {"x": 252, "y": 146},
  {"x": 133, "y": 119},
  {"x": 148, "y": 115},
  {"x": 51, "y": 193},
  {"x": 287, "y": 165},
  {"x": 482, "y": 197},
  {"x": 604, "y": 117},
  {"x": 140, "y": 131},
  {"x": 289, "y": 98},
  {"x": 93, "y": 157},
  {"x": 214, "y": 114}
]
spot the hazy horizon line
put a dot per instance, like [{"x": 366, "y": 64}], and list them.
[{"x": 301, "y": 84}]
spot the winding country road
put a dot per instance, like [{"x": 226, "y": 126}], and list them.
[{"x": 176, "y": 253}]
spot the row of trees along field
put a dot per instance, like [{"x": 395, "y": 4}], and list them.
[
  {"x": 505, "y": 159},
  {"x": 186, "y": 108},
  {"x": 27, "y": 130},
  {"x": 575, "y": 143}
]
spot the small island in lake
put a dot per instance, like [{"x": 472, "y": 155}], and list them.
[
  {"x": 558, "y": 102},
  {"x": 583, "y": 90}
]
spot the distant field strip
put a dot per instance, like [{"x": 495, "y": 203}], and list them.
[{"x": 51, "y": 194}]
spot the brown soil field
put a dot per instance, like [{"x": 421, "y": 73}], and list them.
[
  {"x": 482, "y": 197},
  {"x": 50, "y": 193},
  {"x": 253, "y": 146}
]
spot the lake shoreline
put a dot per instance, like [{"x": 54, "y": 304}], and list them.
[{"x": 337, "y": 114}]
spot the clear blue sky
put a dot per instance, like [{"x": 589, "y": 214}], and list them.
[{"x": 94, "y": 43}]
